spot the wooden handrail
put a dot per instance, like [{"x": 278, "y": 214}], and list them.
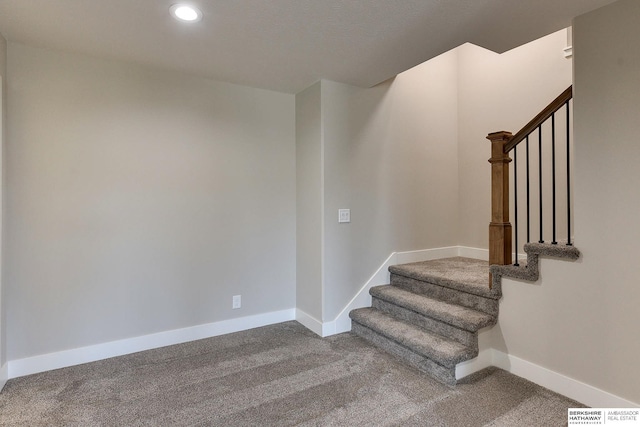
[
  {"x": 502, "y": 143},
  {"x": 555, "y": 105}
]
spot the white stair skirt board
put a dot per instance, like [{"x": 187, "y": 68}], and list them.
[
  {"x": 77, "y": 356},
  {"x": 342, "y": 323}
]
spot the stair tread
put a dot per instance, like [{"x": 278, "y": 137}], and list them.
[
  {"x": 452, "y": 314},
  {"x": 463, "y": 274},
  {"x": 442, "y": 350}
]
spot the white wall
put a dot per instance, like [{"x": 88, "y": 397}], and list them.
[
  {"x": 388, "y": 153},
  {"x": 309, "y": 200},
  {"x": 409, "y": 156},
  {"x": 581, "y": 319},
  {"x": 391, "y": 157},
  {"x": 500, "y": 92},
  {"x": 140, "y": 201}
]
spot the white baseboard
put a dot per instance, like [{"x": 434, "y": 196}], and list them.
[
  {"x": 427, "y": 254},
  {"x": 574, "y": 389},
  {"x": 482, "y": 254},
  {"x": 484, "y": 360},
  {"x": 309, "y": 322},
  {"x": 76, "y": 356},
  {"x": 342, "y": 323},
  {"x": 476, "y": 253},
  {"x": 554, "y": 381},
  {"x": 330, "y": 328},
  {"x": 4, "y": 375}
]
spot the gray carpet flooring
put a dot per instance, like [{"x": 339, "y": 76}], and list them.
[{"x": 279, "y": 375}]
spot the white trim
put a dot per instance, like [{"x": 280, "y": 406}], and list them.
[
  {"x": 568, "y": 52},
  {"x": 426, "y": 254},
  {"x": 484, "y": 358},
  {"x": 4, "y": 375},
  {"x": 309, "y": 322},
  {"x": 574, "y": 389},
  {"x": 555, "y": 381},
  {"x": 482, "y": 361},
  {"x": 476, "y": 253},
  {"x": 521, "y": 257},
  {"x": 76, "y": 356},
  {"x": 342, "y": 323},
  {"x": 330, "y": 328},
  {"x": 482, "y": 254}
]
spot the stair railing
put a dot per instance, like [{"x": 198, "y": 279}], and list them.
[{"x": 502, "y": 143}]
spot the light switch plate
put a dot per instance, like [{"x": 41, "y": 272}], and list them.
[
  {"x": 237, "y": 302},
  {"x": 344, "y": 215}
]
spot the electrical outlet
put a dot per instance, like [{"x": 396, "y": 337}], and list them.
[
  {"x": 237, "y": 302},
  {"x": 344, "y": 215}
]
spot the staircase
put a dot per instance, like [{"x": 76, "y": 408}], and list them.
[{"x": 431, "y": 313}]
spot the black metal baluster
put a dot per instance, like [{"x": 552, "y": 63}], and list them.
[
  {"x": 515, "y": 196},
  {"x": 568, "y": 181},
  {"x": 528, "y": 197},
  {"x": 540, "y": 177},
  {"x": 553, "y": 174}
]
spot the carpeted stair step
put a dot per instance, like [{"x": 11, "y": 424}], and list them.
[
  {"x": 458, "y": 280},
  {"x": 431, "y": 313},
  {"x": 450, "y": 320},
  {"x": 427, "y": 351},
  {"x": 453, "y": 314}
]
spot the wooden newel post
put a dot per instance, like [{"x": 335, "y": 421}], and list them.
[{"x": 499, "y": 228}]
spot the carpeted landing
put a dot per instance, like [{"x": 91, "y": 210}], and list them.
[{"x": 279, "y": 375}]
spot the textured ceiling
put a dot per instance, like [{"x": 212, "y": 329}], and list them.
[{"x": 285, "y": 45}]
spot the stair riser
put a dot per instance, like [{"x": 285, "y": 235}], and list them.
[
  {"x": 441, "y": 373},
  {"x": 486, "y": 305},
  {"x": 469, "y": 339}
]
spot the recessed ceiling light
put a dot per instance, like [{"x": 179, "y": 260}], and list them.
[{"x": 185, "y": 13}]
